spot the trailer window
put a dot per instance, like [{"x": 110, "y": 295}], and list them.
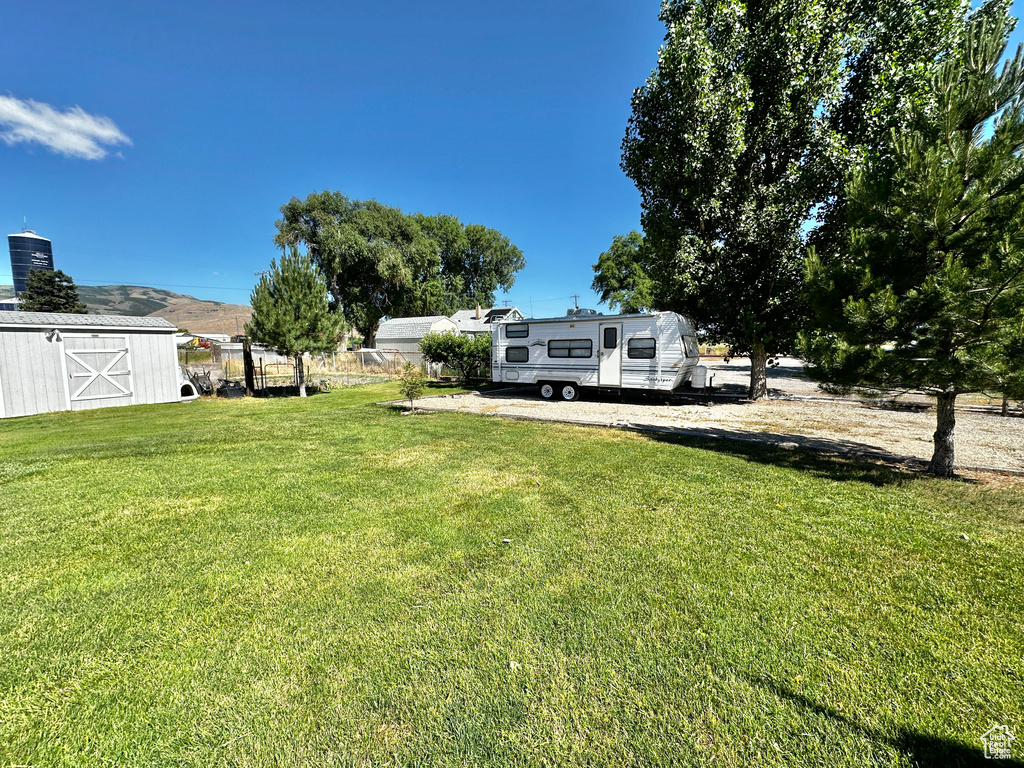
[
  {"x": 570, "y": 348},
  {"x": 517, "y": 354},
  {"x": 611, "y": 337},
  {"x": 517, "y": 331},
  {"x": 642, "y": 349},
  {"x": 691, "y": 346}
]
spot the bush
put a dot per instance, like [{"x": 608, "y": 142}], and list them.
[
  {"x": 464, "y": 354},
  {"x": 411, "y": 383}
]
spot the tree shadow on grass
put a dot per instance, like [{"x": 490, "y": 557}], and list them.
[
  {"x": 923, "y": 750},
  {"x": 839, "y": 460},
  {"x": 829, "y": 457}
]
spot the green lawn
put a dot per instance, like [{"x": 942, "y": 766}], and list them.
[{"x": 325, "y": 581}]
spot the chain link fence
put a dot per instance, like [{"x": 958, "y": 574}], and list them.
[{"x": 224, "y": 365}]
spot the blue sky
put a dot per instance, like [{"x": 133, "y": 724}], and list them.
[
  {"x": 507, "y": 115},
  {"x": 197, "y": 121}
]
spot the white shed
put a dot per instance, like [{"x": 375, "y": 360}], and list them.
[
  {"x": 61, "y": 362},
  {"x": 403, "y": 334}
]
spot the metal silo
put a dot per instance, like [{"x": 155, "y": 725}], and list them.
[{"x": 28, "y": 251}]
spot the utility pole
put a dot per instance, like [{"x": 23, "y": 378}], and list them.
[{"x": 576, "y": 300}]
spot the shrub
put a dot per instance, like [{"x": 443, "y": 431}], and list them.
[
  {"x": 464, "y": 354},
  {"x": 411, "y": 383}
]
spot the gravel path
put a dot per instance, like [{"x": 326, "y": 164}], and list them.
[{"x": 983, "y": 440}]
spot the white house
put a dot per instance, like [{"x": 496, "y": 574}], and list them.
[{"x": 403, "y": 334}]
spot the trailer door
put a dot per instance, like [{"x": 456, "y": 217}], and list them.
[{"x": 609, "y": 372}]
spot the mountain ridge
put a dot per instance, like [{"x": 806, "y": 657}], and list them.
[{"x": 185, "y": 311}]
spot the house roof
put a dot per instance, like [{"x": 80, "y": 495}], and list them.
[
  {"x": 62, "y": 320},
  {"x": 413, "y": 327}
]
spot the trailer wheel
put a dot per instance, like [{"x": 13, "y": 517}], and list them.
[
  {"x": 570, "y": 392},
  {"x": 547, "y": 391}
]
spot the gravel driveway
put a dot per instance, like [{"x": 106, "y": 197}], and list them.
[{"x": 983, "y": 440}]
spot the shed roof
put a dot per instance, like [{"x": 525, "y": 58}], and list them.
[
  {"x": 63, "y": 320},
  {"x": 413, "y": 327}
]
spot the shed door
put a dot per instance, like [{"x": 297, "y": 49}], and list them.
[
  {"x": 609, "y": 372},
  {"x": 98, "y": 367}
]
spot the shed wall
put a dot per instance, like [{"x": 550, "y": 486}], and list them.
[
  {"x": 155, "y": 364},
  {"x": 30, "y": 373},
  {"x": 33, "y": 370}
]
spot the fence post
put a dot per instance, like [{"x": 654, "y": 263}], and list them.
[{"x": 250, "y": 377}]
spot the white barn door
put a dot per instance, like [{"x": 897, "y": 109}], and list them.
[{"x": 99, "y": 367}]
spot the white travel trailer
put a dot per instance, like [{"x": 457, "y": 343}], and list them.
[{"x": 655, "y": 352}]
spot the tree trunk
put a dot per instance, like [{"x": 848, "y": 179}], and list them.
[
  {"x": 300, "y": 375},
  {"x": 942, "y": 458},
  {"x": 369, "y": 334},
  {"x": 1005, "y": 410},
  {"x": 758, "y": 373}
]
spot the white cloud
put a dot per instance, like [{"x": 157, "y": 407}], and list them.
[{"x": 73, "y": 133}]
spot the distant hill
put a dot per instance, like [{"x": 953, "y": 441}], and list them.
[{"x": 184, "y": 311}]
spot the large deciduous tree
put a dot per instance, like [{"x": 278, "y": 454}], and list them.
[
  {"x": 291, "y": 312},
  {"x": 373, "y": 257},
  {"x": 49, "y": 290},
  {"x": 379, "y": 261},
  {"x": 622, "y": 278},
  {"x": 728, "y": 144},
  {"x": 475, "y": 261},
  {"x": 928, "y": 292},
  {"x": 893, "y": 48}
]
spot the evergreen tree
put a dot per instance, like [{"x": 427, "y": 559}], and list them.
[
  {"x": 50, "y": 290},
  {"x": 929, "y": 291},
  {"x": 291, "y": 312}
]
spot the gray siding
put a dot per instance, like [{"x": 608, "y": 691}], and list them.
[
  {"x": 155, "y": 367},
  {"x": 33, "y": 369},
  {"x": 30, "y": 372}
]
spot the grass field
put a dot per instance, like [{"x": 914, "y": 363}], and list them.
[{"x": 328, "y": 582}]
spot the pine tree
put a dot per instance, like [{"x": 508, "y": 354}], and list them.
[
  {"x": 50, "y": 290},
  {"x": 291, "y": 312},
  {"x": 929, "y": 293}
]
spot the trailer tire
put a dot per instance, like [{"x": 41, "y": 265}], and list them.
[
  {"x": 570, "y": 392},
  {"x": 547, "y": 391}
]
